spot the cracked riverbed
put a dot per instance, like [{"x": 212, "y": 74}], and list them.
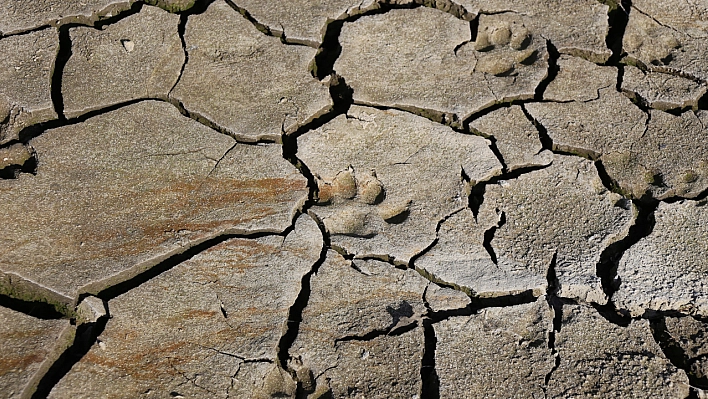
[{"x": 353, "y": 199}]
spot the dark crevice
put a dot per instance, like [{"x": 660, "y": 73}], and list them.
[
  {"x": 216, "y": 127},
  {"x": 607, "y": 181},
  {"x": 693, "y": 394},
  {"x": 547, "y": 141},
  {"x": 40, "y": 310},
  {"x": 294, "y": 319},
  {"x": 553, "y": 68},
  {"x": 700, "y": 197},
  {"x": 676, "y": 355},
  {"x": 267, "y": 30},
  {"x": 328, "y": 52},
  {"x": 610, "y": 313},
  {"x": 261, "y": 27},
  {"x": 474, "y": 27},
  {"x": 465, "y": 125},
  {"x": 556, "y": 304},
  {"x": 430, "y": 382},
  {"x": 63, "y": 55},
  {"x": 106, "y": 20},
  {"x": 610, "y": 257},
  {"x": 544, "y": 138},
  {"x": 501, "y": 301},
  {"x": 97, "y": 19},
  {"x": 489, "y": 236},
  {"x": 86, "y": 336},
  {"x": 167, "y": 264},
  {"x": 371, "y": 335},
  {"x": 342, "y": 100},
  {"x": 703, "y": 102},
  {"x": 181, "y": 28},
  {"x": 552, "y": 282},
  {"x": 617, "y": 18},
  {"x": 390, "y": 259},
  {"x": 620, "y": 77},
  {"x": 492, "y": 146},
  {"x": 478, "y": 303}
]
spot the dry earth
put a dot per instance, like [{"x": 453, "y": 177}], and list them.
[{"x": 354, "y": 199}]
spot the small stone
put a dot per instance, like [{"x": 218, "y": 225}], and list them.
[
  {"x": 252, "y": 85},
  {"x": 90, "y": 310},
  {"x": 140, "y": 56},
  {"x": 128, "y": 45}
]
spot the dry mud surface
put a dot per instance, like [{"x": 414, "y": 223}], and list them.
[{"x": 354, "y": 199}]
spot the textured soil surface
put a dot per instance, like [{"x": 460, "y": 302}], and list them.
[{"x": 413, "y": 199}]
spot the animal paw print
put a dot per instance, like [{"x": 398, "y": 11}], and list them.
[
  {"x": 505, "y": 45},
  {"x": 362, "y": 207}
]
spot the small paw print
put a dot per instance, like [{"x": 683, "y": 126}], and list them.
[
  {"x": 363, "y": 208},
  {"x": 503, "y": 45}
]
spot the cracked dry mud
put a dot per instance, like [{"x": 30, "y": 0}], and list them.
[{"x": 353, "y": 199}]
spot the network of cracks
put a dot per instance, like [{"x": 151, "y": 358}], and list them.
[{"x": 354, "y": 198}]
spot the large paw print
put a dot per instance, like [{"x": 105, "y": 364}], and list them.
[
  {"x": 503, "y": 44},
  {"x": 362, "y": 208}
]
